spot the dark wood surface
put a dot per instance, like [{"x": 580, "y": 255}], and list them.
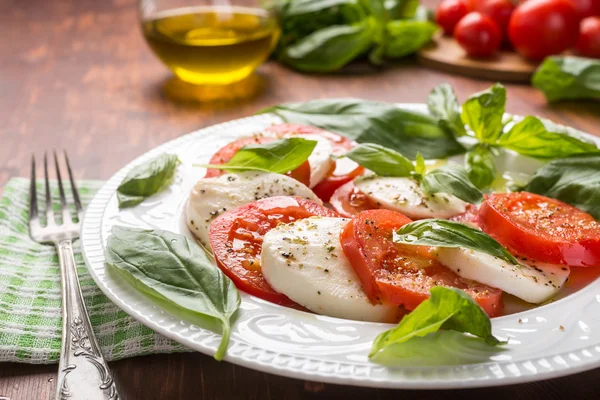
[{"x": 76, "y": 74}]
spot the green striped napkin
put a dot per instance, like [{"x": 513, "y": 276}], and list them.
[{"x": 30, "y": 301}]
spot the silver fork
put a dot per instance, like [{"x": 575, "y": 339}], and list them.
[{"x": 82, "y": 372}]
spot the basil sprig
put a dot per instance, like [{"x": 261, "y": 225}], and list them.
[
  {"x": 447, "y": 308},
  {"x": 483, "y": 113},
  {"x": 444, "y": 233},
  {"x": 574, "y": 180},
  {"x": 453, "y": 180},
  {"x": 146, "y": 179},
  {"x": 279, "y": 156},
  {"x": 444, "y": 106},
  {"x": 173, "y": 269},
  {"x": 407, "y": 132},
  {"x": 449, "y": 179},
  {"x": 564, "y": 78},
  {"x": 480, "y": 165}
]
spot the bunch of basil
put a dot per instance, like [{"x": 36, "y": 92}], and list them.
[{"x": 325, "y": 35}]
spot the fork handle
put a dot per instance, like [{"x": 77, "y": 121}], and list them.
[{"x": 82, "y": 373}]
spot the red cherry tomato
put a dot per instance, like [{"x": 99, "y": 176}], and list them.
[
  {"x": 542, "y": 228},
  {"x": 402, "y": 274},
  {"x": 588, "y": 43},
  {"x": 236, "y": 238},
  {"x": 478, "y": 35},
  {"x": 587, "y": 8},
  {"x": 449, "y": 12},
  {"x": 500, "y": 11},
  {"x": 540, "y": 28}
]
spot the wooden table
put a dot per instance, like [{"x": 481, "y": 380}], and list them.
[{"x": 76, "y": 74}]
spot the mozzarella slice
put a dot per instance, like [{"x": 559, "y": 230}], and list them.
[
  {"x": 320, "y": 159},
  {"x": 304, "y": 260},
  {"x": 534, "y": 283},
  {"x": 406, "y": 196},
  {"x": 213, "y": 196}
]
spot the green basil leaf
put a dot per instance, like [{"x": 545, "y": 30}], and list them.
[
  {"x": 279, "y": 156},
  {"x": 483, "y": 113},
  {"x": 480, "y": 166},
  {"x": 444, "y": 233},
  {"x": 406, "y": 37},
  {"x": 420, "y": 167},
  {"x": 447, "y": 308},
  {"x": 407, "y": 132},
  {"x": 530, "y": 137},
  {"x": 174, "y": 269},
  {"x": 401, "y": 9},
  {"x": 381, "y": 160},
  {"x": 330, "y": 48},
  {"x": 564, "y": 78},
  {"x": 444, "y": 106},
  {"x": 574, "y": 180},
  {"x": 451, "y": 179},
  {"x": 146, "y": 179}
]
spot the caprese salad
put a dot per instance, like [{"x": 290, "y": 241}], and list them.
[{"x": 341, "y": 237}]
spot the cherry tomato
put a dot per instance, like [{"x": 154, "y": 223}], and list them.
[
  {"x": 301, "y": 173},
  {"x": 500, "y": 11},
  {"x": 402, "y": 274},
  {"x": 540, "y": 28},
  {"x": 587, "y": 8},
  {"x": 478, "y": 35},
  {"x": 236, "y": 238},
  {"x": 588, "y": 43},
  {"x": 347, "y": 200},
  {"x": 344, "y": 170},
  {"x": 449, "y": 12},
  {"x": 542, "y": 228}
]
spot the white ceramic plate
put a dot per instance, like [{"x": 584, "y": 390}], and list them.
[{"x": 557, "y": 339}]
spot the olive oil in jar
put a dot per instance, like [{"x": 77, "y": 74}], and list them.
[{"x": 212, "y": 45}]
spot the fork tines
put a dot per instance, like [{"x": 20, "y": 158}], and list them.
[{"x": 33, "y": 203}]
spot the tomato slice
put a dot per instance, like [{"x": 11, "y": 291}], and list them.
[
  {"x": 542, "y": 228},
  {"x": 301, "y": 174},
  {"x": 347, "y": 200},
  {"x": 402, "y": 274},
  {"x": 236, "y": 239},
  {"x": 344, "y": 171}
]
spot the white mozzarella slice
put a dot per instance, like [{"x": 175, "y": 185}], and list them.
[
  {"x": 406, "y": 196},
  {"x": 304, "y": 260},
  {"x": 213, "y": 196},
  {"x": 320, "y": 159},
  {"x": 533, "y": 282}
]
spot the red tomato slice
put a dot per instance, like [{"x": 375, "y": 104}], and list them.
[
  {"x": 347, "y": 200},
  {"x": 402, "y": 274},
  {"x": 341, "y": 144},
  {"x": 301, "y": 174},
  {"x": 542, "y": 228},
  {"x": 236, "y": 239}
]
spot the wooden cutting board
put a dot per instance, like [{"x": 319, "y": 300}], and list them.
[{"x": 446, "y": 55}]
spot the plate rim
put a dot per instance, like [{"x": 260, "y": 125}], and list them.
[{"x": 92, "y": 251}]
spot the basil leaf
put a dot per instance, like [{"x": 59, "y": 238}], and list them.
[
  {"x": 146, "y": 179},
  {"x": 420, "y": 167},
  {"x": 400, "y": 9},
  {"x": 407, "y": 132},
  {"x": 329, "y": 49},
  {"x": 406, "y": 37},
  {"x": 563, "y": 78},
  {"x": 444, "y": 106},
  {"x": 443, "y": 233},
  {"x": 447, "y": 308},
  {"x": 480, "y": 166},
  {"x": 574, "y": 180},
  {"x": 279, "y": 156},
  {"x": 530, "y": 137},
  {"x": 451, "y": 179},
  {"x": 381, "y": 160},
  {"x": 174, "y": 269},
  {"x": 483, "y": 113}
]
